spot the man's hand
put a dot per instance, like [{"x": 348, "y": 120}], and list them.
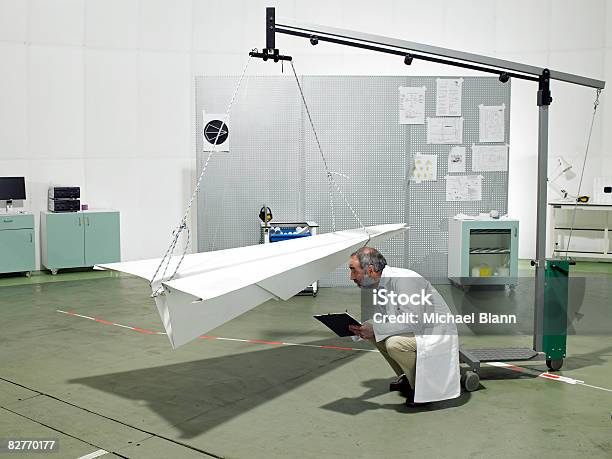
[{"x": 366, "y": 331}]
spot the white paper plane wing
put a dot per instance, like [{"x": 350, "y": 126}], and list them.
[{"x": 211, "y": 288}]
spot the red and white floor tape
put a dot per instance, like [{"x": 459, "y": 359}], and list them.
[{"x": 532, "y": 372}]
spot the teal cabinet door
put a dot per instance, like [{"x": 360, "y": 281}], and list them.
[
  {"x": 65, "y": 240},
  {"x": 17, "y": 250},
  {"x": 102, "y": 243}
]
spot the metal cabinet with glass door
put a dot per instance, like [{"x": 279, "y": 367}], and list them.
[
  {"x": 483, "y": 252},
  {"x": 79, "y": 239}
]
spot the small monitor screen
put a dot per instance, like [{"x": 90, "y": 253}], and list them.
[{"x": 12, "y": 188}]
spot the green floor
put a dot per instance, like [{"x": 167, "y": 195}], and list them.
[{"x": 94, "y": 385}]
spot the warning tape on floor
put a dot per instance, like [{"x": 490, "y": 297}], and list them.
[
  {"x": 219, "y": 338},
  {"x": 545, "y": 375},
  {"x": 509, "y": 366},
  {"x": 98, "y": 453}
]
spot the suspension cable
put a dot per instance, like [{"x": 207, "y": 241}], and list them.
[
  {"x": 330, "y": 177},
  {"x": 586, "y": 152},
  {"x": 182, "y": 226},
  {"x": 165, "y": 261}
]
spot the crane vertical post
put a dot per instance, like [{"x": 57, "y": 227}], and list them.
[{"x": 270, "y": 26}]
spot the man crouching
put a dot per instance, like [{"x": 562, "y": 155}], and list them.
[{"x": 424, "y": 354}]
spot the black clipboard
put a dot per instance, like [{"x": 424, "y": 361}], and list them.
[{"x": 338, "y": 322}]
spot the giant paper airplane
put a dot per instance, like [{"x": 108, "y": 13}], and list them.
[{"x": 211, "y": 288}]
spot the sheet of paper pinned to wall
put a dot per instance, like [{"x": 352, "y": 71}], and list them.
[
  {"x": 425, "y": 168},
  {"x": 448, "y": 96},
  {"x": 215, "y": 132},
  {"x": 456, "y": 159},
  {"x": 448, "y": 130},
  {"x": 463, "y": 187},
  {"x": 412, "y": 105},
  {"x": 491, "y": 123},
  {"x": 490, "y": 158}
]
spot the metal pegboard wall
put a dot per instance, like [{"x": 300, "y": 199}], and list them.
[
  {"x": 356, "y": 121},
  {"x": 427, "y": 208},
  {"x": 264, "y": 165},
  {"x": 274, "y": 159}
]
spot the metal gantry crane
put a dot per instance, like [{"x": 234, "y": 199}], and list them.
[{"x": 551, "y": 276}]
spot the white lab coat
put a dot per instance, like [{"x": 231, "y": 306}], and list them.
[{"x": 437, "y": 363}]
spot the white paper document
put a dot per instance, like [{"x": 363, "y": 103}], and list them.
[
  {"x": 491, "y": 123},
  {"x": 448, "y": 96},
  {"x": 456, "y": 159},
  {"x": 463, "y": 187},
  {"x": 425, "y": 168},
  {"x": 490, "y": 158},
  {"x": 412, "y": 105},
  {"x": 447, "y": 130}
]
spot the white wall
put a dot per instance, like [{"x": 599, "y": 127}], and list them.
[{"x": 98, "y": 93}]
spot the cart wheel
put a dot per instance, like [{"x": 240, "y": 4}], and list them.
[
  {"x": 54, "y": 272},
  {"x": 471, "y": 381},
  {"x": 28, "y": 274},
  {"x": 554, "y": 364}
]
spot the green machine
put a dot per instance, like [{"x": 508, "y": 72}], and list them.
[
  {"x": 549, "y": 334},
  {"x": 554, "y": 326}
]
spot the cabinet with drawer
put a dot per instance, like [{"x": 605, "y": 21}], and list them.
[{"x": 17, "y": 243}]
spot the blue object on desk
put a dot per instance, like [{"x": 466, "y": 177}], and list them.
[{"x": 286, "y": 234}]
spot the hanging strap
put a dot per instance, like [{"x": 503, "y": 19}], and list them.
[
  {"x": 330, "y": 179},
  {"x": 586, "y": 153},
  {"x": 182, "y": 226}
]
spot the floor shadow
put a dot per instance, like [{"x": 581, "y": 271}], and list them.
[
  {"x": 196, "y": 396},
  {"x": 376, "y": 387},
  {"x": 589, "y": 359},
  {"x": 573, "y": 362}
]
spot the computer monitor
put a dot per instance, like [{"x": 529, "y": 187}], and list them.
[{"x": 12, "y": 188}]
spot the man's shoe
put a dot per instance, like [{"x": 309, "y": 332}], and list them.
[
  {"x": 412, "y": 404},
  {"x": 401, "y": 385}
]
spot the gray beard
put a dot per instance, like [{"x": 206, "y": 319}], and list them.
[{"x": 368, "y": 282}]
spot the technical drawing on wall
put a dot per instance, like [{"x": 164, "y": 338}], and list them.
[
  {"x": 491, "y": 123},
  {"x": 490, "y": 158},
  {"x": 456, "y": 159},
  {"x": 448, "y": 96},
  {"x": 446, "y": 130},
  {"x": 463, "y": 187},
  {"x": 412, "y": 105}
]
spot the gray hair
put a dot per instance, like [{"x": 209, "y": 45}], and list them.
[{"x": 370, "y": 256}]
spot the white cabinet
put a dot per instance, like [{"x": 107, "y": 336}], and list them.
[
  {"x": 590, "y": 237},
  {"x": 483, "y": 252}
]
